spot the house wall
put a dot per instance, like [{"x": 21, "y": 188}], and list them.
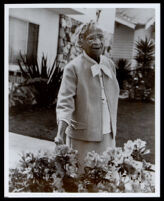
[
  {"x": 122, "y": 42},
  {"x": 48, "y": 22}
]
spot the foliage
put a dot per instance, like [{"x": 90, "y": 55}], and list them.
[
  {"x": 43, "y": 82},
  {"x": 122, "y": 71},
  {"x": 140, "y": 84},
  {"x": 20, "y": 95},
  {"x": 144, "y": 53},
  {"x": 141, "y": 87},
  {"x": 116, "y": 170},
  {"x": 45, "y": 172}
]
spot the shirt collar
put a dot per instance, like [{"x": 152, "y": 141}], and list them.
[{"x": 95, "y": 68}]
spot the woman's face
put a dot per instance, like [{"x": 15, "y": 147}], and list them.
[{"x": 93, "y": 43}]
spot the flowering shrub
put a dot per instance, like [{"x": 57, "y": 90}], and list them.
[
  {"x": 45, "y": 172},
  {"x": 116, "y": 170}
]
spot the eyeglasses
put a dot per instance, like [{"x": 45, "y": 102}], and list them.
[{"x": 94, "y": 37}]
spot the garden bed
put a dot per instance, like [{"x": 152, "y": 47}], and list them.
[{"x": 122, "y": 170}]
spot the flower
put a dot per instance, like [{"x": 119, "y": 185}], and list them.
[
  {"x": 71, "y": 170},
  {"x": 109, "y": 154},
  {"x": 128, "y": 148},
  {"x": 57, "y": 182},
  {"x": 91, "y": 159},
  {"x": 136, "y": 186},
  {"x": 116, "y": 170},
  {"x": 128, "y": 187},
  {"x": 61, "y": 149},
  {"x": 139, "y": 144},
  {"x": 118, "y": 159}
]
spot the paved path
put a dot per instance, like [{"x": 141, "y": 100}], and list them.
[{"x": 20, "y": 143}]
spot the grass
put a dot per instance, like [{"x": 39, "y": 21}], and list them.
[{"x": 135, "y": 120}]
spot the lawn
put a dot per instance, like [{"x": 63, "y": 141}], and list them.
[{"x": 135, "y": 120}]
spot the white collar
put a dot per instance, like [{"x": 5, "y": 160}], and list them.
[{"x": 95, "y": 68}]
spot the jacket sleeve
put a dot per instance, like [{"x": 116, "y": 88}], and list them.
[
  {"x": 112, "y": 65},
  {"x": 66, "y": 103}
]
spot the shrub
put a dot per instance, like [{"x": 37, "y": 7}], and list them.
[
  {"x": 144, "y": 53},
  {"x": 122, "y": 71},
  {"x": 143, "y": 81},
  {"x": 116, "y": 170},
  {"x": 42, "y": 81},
  {"x": 141, "y": 87},
  {"x": 45, "y": 172},
  {"x": 20, "y": 95}
]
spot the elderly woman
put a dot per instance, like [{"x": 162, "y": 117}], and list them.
[{"x": 88, "y": 97}]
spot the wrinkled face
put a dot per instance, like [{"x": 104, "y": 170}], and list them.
[{"x": 93, "y": 42}]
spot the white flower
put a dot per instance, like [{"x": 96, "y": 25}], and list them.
[
  {"x": 108, "y": 176},
  {"x": 128, "y": 187},
  {"x": 128, "y": 148},
  {"x": 118, "y": 156},
  {"x": 137, "y": 165},
  {"x": 142, "y": 186},
  {"x": 125, "y": 179},
  {"x": 136, "y": 186},
  {"x": 140, "y": 143}
]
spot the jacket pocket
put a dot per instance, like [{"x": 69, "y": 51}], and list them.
[{"x": 77, "y": 125}]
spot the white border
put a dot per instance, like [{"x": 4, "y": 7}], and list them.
[
  {"x": 157, "y": 100},
  {"x": 84, "y": 5},
  {"x": 6, "y": 112}
]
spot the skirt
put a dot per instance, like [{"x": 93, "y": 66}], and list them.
[{"x": 86, "y": 146}]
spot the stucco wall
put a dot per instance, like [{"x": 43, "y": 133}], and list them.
[
  {"x": 122, "y": 42},
  {"x": 48, "y": 29}
]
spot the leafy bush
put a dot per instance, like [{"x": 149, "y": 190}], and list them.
[
  {"x": 42, "y": 81},
  {"x": 122, "y": 71},
  {"x": 116, "y": 170},
  {"x": 144, "y": 53},
  {"x": 141, "y": 87},
  {"x": 45, "y": 172},
  {"x": 20, "y": 95},
  {"x": 142, "y": 84}
]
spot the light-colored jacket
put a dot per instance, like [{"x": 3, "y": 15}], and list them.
[{"x": 79, "y": 99}]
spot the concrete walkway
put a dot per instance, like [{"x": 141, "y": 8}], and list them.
[{"x": 20, "y": 143}]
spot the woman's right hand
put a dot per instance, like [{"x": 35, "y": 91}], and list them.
[{"x": 59, "y": 139}]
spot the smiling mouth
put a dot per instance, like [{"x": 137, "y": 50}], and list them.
[{"x": 96, "y": 48}]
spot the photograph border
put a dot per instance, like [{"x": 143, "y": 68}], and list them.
[{"x": 156, "y": 6}]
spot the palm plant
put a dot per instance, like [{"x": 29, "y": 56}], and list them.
[
  {"x": 43, "y": 82},
  {"x": 145, "y": 58},
  {"x": 144, "y": 53}
]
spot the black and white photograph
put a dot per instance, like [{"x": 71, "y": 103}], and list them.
[{"x": 82, "y": 99}]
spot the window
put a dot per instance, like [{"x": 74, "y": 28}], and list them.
[{"x": 23, "y": 37}]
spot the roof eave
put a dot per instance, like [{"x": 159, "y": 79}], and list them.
[
  {"x": 66, "y": 11},
  {"x": 149, "y": 23},
  {"x": 126, "y": 23}
]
